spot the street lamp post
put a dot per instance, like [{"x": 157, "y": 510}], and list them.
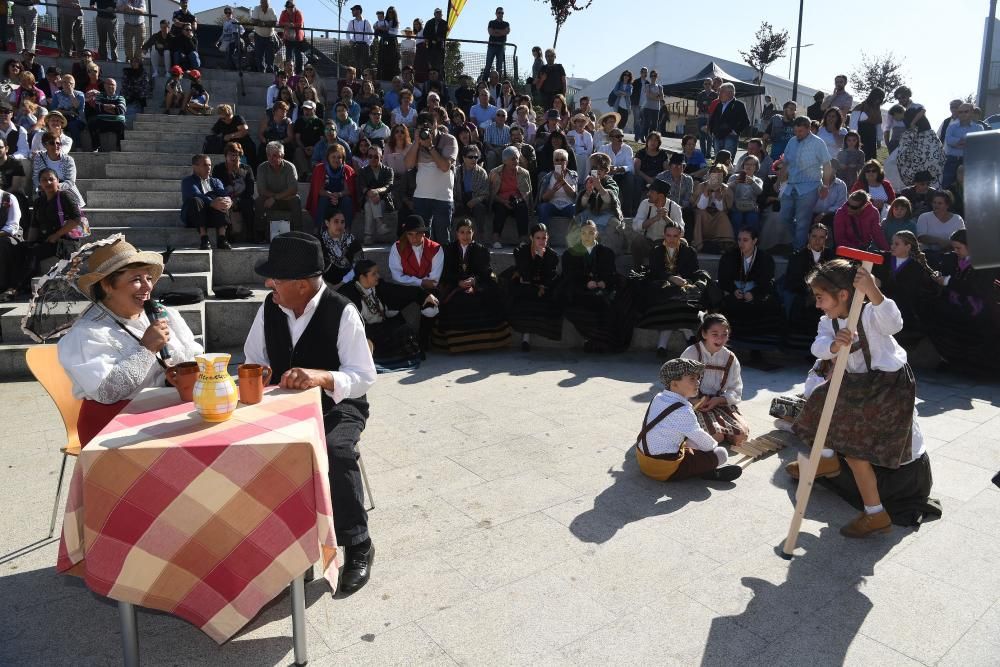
[
  {"x": 795, "y": 48},
  {"x": 798, "y": 52}
]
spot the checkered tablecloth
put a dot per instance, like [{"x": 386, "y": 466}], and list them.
[{"x": 206, "y": 521}]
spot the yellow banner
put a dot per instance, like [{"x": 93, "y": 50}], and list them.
[{"x": 455, "y": 8}]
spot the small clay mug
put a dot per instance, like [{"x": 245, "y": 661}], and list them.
[
  {"x": 253, "y": 378},
  {"x": 183, "y": 376}
]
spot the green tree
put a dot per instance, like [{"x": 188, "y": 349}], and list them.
[
  {"x": 877, "y": 71},
  {"x": 561, "y": 9},
  {"x": 768, "y": 47},
  {"x": 453, "y": 65}
]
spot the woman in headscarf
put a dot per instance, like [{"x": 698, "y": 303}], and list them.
[
  {"x": 115, "y": 350},
  {"x": 593, "y": 291},
  {"x": 919, "y": 148},
  {"x": 394, "y": 344},
  {"x": 341, "y": 249}
]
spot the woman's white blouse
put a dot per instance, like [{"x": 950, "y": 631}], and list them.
[
  {"x": 107, "y": 365},
  {"x": 881, "y": 322}
]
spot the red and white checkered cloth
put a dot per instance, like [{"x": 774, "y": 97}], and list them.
[{"x": 207, "y": 521}]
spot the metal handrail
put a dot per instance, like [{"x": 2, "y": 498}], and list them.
[{"x": 326, "y": 32}]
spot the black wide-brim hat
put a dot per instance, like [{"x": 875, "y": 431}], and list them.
[
  {"x": 292, "y": 256},
  {"x": 414, "y": 223}
]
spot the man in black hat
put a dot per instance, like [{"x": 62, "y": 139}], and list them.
[
  {"x": 312, "y": 336},
  {"x": 650, "y": 219},
  {"x": 416, "y": 260},
  {"x": 361, "y": 35}
]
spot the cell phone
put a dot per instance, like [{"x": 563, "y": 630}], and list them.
[
  {"x": 558, "y": 168},
  {"x": 593, "y": 172}
]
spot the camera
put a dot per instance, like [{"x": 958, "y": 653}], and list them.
[{"x": 425, "y": 132}]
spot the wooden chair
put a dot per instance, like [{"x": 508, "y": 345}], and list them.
[{"x": 44, "y": 365}]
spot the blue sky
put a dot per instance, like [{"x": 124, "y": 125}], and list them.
[{"x": 939, "y": 43}]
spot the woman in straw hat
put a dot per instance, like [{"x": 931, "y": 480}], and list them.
[{"x": 114, "y": 350}]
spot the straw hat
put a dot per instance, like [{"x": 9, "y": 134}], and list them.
[
  {"x": 580, "y": 116},
  {"x": 107, "y": 259},
  {"x": 611, "y": 114}
]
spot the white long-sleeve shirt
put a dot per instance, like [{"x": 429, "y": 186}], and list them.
[
  {"x": 20, "y": 151},
  {"x": 108, "y": 365},
  {"x": 711, "y": 382},
  {"x": 623, "y": 158},
  {"x": 646, "y": 211},
  {"x": 360, "y": 30},
  {"x": 881, "y": 322},
  {"x": 12, "y": 225},
  {"x": 357, "y": 370},
  {"x": 667, "y": 436},
  {"x": 396, "y": 266}
]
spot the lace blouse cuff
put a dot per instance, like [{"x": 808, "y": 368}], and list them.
[{"x": 126, "y": 377}]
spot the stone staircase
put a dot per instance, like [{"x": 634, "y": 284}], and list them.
[{"x": 137, "y": 192}]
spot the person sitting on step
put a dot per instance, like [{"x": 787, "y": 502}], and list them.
[{"x": 205, "y": 203}]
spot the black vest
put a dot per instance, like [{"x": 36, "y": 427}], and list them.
[
  {"x": 316, "y": 348},
  {"x": 11, "y": 140}
]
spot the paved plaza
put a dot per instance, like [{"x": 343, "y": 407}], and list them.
[{"x": 513, "y": 527}]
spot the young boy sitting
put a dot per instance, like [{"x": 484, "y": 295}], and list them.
[
  {"x": 173, "y": 91},
  {"x": 671, "y": 445}
]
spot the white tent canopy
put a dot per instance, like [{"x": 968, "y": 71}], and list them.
[{"x": 673, "y": 63}]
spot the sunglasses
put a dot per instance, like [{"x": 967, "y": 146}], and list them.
[
  {"x": 855, "y": 208},
  {"x": 5, "y": 112},
  {"x": 471, "y": 156}
]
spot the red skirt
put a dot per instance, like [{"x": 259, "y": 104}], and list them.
[{"x": 95, "y": 416}]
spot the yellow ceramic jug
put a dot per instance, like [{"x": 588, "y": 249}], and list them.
[{"x": 215, "y": 394}]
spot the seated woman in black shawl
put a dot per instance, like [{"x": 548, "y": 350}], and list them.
[
  {"x": 394, "y": 343},
  {"x": 531, "y": 289},
  {"x": 471, "y": 316},
  {"x": 746, "y": 276},
  {"x": 963, "y": 323},
  {"x": 803, "y": 315},
  {"x": 906, "y": 278},
  {"x": 673, "y": 289},
  {"x": 594, "y": 294},
  {"x": 340, "y": 250}
]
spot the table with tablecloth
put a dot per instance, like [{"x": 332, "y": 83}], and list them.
[{"x": 206, "y": 521}]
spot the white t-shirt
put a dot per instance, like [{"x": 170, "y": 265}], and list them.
[
  {"x": 929, "y": 225},
  {"x": 432, "y": 183}
]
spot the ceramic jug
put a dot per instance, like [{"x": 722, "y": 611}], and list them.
[{"x": 215, "y": 394}]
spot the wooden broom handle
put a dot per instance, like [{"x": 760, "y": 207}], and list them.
[{"x": 807, "y": 476}]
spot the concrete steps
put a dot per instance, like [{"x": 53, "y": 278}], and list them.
[
  {"x": 129, "y": 221},
  {"x": 10, "y": 321},
  {"x": 130, "y": 198},
  {"x": 118, "y": 185},
  {"x": 145, "y": 159},
  {"x": 154, "y": 172}
]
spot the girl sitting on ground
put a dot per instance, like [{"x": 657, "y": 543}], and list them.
[{"x": 722, "y": 383}]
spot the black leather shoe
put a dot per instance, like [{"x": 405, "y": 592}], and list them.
[
  {"x": 205, "y": 244},
  {"x": 661, "y": 353},
  {"x": 357, "y": 570},
  {"x": 525, "y": 346},
  {"x": 223, "y": 244},
  {"x": 723, "y": 474}
]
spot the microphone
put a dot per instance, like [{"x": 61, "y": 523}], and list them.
[{"x": 155, "y": 311}]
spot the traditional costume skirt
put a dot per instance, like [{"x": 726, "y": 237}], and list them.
[
  {"x": 872, "y": 420},
  {"x": 471, "y": 322},
  {"x": 388, "y": 58},
  {"x": 394, "y": 345},
  {"x": 667, "y": 307},
  {"x": 532, "y": 314},
  {"x": 963, "y": 339},
  {"x": 904, "y": 492},
  {"x": 602, "y": 316},
  {"x": 725, "y": 419},
  {"x": 757, "y": 324}
]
